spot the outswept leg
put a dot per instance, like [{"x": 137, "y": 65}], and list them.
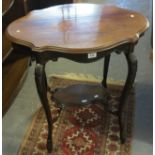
[
  {"x": 41, "y": 84},
  {"x": 132, "y": 69}
]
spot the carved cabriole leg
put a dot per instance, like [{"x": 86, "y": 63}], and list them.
[
  {"x": 106, "y": 67},
  {"x": 46, "y": 84},
  {"x": 132, "y": 69},
  {"x": 41, "y": 83}
]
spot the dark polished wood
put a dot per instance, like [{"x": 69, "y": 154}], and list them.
[
  {"x": 41, "y": 84},
  {"x": 82, "y": 36},
  {"x": 132, "y": 69},
  {"x": 105, "y": 71},
  {"x": 77, "y": 28},
  {"x": 80, "y": 94}
]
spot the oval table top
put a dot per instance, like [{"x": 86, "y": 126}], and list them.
[{"x": 77, "y": 28}]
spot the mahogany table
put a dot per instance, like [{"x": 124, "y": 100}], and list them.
[{"x": 83, "y": 33}]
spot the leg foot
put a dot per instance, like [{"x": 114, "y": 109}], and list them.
[
  {"x": 49, "y": 145},
  {"x": 123, "y": 129}
]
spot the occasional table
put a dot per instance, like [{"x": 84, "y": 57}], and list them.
[{"x": 83, "y": 33}]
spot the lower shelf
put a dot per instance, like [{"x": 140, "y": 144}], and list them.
[{"x": 80, "y": 94}]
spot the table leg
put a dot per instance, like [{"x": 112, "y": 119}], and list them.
[
  {"x": 46, "y": 84},
  {"x": 106, "y": 66},
  {"x": 41, "y": 83},
  {"x": 132, "y": 69}
]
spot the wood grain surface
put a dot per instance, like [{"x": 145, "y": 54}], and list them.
[{"x": 77, "y": 28}]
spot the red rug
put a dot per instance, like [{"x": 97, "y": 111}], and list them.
[{"x": 88, "y": 130}]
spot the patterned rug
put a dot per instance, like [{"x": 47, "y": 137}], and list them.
[{"x": 87, "y": 130}]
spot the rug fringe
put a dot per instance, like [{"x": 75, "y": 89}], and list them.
[{"x": 86, "y": 77}]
